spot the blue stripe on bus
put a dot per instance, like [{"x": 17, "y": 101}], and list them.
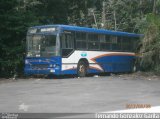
[
  {"x": 69, "y": 71},
  {"x": 116, "y": 63}
]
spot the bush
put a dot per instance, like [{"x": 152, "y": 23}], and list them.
[{"x": 150, "y": 49}]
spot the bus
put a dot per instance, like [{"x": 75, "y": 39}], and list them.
[{"x": 65, "y": 49}]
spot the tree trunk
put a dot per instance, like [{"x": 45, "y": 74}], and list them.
[
  {"x": 154, "y": 6},
  {"x": 104, "y": 15},
  {"x": 140, "y": 5}
]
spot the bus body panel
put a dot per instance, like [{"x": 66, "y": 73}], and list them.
[{"x": 99, "y": 61}]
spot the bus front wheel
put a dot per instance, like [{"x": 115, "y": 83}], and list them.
[{"x": 82, "y": 69}]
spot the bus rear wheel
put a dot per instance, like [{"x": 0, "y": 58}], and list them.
[{"x": 82, "y": 69}]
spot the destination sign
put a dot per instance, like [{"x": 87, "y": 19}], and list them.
[
  {"x": 41, "y": 30},
  {"x": 32, "y": 30},
  {"x": 48, "y": 29}
]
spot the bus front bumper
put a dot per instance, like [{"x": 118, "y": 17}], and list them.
[{"x": 29, "y": 71}]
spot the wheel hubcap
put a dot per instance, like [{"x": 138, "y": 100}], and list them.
[{"x": 81, "y": 68}]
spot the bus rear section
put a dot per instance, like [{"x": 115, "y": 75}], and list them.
[{"x": 114, "y": 62}]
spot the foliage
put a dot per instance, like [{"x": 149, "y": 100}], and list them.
[
  {"x": 151, "y": 45},
  {"x": 14, "y": 24}
]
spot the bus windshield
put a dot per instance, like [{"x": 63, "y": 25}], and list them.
[{"x": 41, "y": 45}]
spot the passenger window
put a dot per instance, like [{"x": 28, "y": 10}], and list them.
[
  {"x": 67, "y": 42},
  {"x": 127, "y": 44},
  {"x": 93, "y": 42},
  {"x": 116, "y": 43},
  {"x": 105, "y": 42},
  {"x": 81, "y": 42},
  {"x": 114, "y": 39}
]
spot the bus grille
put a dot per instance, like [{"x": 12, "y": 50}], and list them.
[{"x": 40, "y": 66}]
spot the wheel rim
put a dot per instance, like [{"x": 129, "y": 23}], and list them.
[{"x": 82, "y": 70}]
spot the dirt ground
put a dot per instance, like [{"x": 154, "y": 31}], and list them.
[
  {"x": 140, "y": 76},
  {"x": 132, "y": 76}
]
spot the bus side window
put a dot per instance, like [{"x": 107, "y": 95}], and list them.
[
  {"x": 116, "y": 43},
  {"x": 93, "y": 42},
  {"x": 126, "y": 44},
  {"x": 136, "y": 45},
  {"x": 67, "y": 42},
  {"x": 81, "y": 42},
  {"x": 105, "y": 42}
]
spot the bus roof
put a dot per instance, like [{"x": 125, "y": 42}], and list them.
[{"x": 92, "y": 30}]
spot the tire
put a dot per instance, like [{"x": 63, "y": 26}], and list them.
[{"x": 82, "y": 69}]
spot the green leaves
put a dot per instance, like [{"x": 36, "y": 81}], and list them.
[
  {"x": 14, "y": 24},
  {"x": 151, "y": 45}
]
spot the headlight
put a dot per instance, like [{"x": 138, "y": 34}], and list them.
[
  {"x": 26, "y": 62},
  {"x": 54, "y": 65}
]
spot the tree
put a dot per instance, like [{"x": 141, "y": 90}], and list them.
[{"x": 14, "y": 24}]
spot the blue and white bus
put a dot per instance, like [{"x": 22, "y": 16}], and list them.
[{"x": 64, "y": 49}]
